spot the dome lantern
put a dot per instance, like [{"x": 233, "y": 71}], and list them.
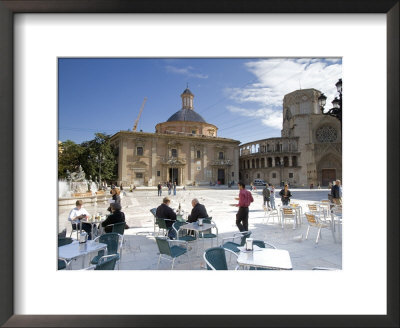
[{"x": 187, "y": 99}]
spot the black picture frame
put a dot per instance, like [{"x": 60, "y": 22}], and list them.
[{"x": 10, "y": 7}]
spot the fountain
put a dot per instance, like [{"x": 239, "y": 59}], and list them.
[{"x": 76, "y": 186}]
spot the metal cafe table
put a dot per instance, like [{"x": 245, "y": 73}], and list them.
[
  {"x": 75, "y": 249},
  {"x": 268, "y": 258},
  {"x": 94, "y": 222},
  {"x": 197, "y": 228}
]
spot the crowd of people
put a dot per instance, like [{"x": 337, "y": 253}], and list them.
[
  {"x": 171, "y": 187},
  {"x": 78, "y": 215}
]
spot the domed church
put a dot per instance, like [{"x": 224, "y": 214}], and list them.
[{"x": 184, "y": 149}]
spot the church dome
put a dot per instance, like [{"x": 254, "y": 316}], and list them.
[
  {"x": 187, "y": 115},
  {"x": 187, "y": 91}
]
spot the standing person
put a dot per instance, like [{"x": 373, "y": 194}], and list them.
[
  {"x": 336, "y": 193},
  {"x": 266, "y": 194},
  {"x": 174, "y": 188},
  {"x": 165, "y": 212},
  {"x": 285, "y": 195},
  {"x": 115, "y": 197},
  {"x": 116, "y": 217},
  {"x": 245, "y": 199},
  {"x": 198, "y": 211},
  {"x": 169, "y": 187},
  {"x": 159, "y": 189},
  {"x": 76, "y": 215},
  {"x": 272, "y": 196}
]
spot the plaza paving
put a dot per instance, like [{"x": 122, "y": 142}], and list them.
[{"x": 140, "y": 251}]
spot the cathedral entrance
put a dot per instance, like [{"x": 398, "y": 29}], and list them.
[
  {"x": 173, "y": 175},
  {"x": 328, "y": 175},
  {"x": 221, "y": 176}
]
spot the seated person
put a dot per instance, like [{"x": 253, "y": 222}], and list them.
[
  {"x": 116, "y": 217},
  {"x": 166, "y": 212},
  {"x": 76, "y": 215},
  {"x": 198, "y": 211}
]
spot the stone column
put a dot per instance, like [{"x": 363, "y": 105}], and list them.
[{"x": 153, "y": 163}]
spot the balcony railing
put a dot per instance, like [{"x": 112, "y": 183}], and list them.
[
  {"x": 221, "y": 162},
  {"x": 173, "y": 160}
]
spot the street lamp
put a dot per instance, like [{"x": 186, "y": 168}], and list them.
[
  {"x": 336, "y": 110},
  {"x": 280, "y": 165}
]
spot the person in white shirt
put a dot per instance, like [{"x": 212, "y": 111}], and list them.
[{"x": 77, "y": 214}]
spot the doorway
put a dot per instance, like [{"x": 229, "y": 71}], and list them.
[
  {"x": 221, "y": 176},
  {"x": 328, "y": 175},
  {"x": 173, "y": 175}
]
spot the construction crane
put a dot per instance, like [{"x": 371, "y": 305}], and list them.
[{"x": 140, "y": 113}]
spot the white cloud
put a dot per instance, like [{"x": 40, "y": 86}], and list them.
[
  {"x": 277, "y": 77},
  {"x": 185, "y": 71},
  {"x": 268, "y": 117}
]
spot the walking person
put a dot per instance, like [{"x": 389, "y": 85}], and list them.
[
  {"x": 245, "y": 199},
  {"x": 159, "y": 189},
  {"x": 169, "y": 187},
  {"x": 285, "y": 195},
  {"x": 272, "y": 196},
  {"x": 174, "y": 188},
  {"x": 266, "y": 195}
]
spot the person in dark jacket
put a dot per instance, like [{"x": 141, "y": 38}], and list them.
[
  {"x": 198, "y": 211},
  {"x": 266, "y": 195},
  {"x": 165, "y": 212},
  {"x": 115, "y": 197},
  {"x": 116, "y": 217},
  {"x": 335, "y": 192},
  {"x": 285, "y": 195}
]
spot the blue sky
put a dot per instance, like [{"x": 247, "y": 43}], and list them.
[{"x": 242, "y": 97}]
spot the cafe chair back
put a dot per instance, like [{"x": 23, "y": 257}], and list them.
[
  {"x": 64, "y": 264},
  {"x": 215, "y": 258},
  {"x": 75, "y": 227},
  {"x": 114, "y": 246},
  {"x": 288, "y": 213},
  {"x": 210, "y": 234},
  {"x": 155, "y": 222},
  {"x": 118, "y": 227},
  {"x": 107, "y": 262},
  {"x": 182, "y": 234},
  {"x": 171, "y": 250},
  {"x": 64, "y": 241},
  {"x": 316, "y": 222},
  {"x": 162, "y": 225},
  {"x": 263, "y": 244}
]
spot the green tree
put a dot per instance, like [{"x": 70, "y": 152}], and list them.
[
  {"x": 89, "y": 158},
  {"x": 68, "y": 157}
]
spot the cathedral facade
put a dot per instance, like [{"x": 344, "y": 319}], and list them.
[
  {"x": 308, "y": 152},
  {"x": 185, "y": 149}
]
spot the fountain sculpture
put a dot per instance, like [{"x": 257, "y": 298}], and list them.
[{"x": 77, "y": 187}]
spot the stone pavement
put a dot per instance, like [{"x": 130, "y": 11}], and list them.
[{"x": 140, "y": 251}]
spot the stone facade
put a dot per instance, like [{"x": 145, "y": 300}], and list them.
[
  {"x": 185, "y": 149},
  {"x": 309, "y": 150}
]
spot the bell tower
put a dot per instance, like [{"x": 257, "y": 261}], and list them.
[{"x": 187, "y": 99}]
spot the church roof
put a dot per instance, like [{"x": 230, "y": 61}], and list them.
[
  {"x": 186, "y": 115},
  {"x": 187, "y": 91}
]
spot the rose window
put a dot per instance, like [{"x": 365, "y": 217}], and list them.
[{"x": 326, "y": 134}]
